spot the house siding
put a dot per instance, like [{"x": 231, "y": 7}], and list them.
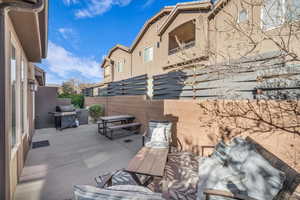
[
  {"x": 16, "y": 155},
  {"x": 119, "y": 55},
  {"x": 232, "y": 44},
  {"x": 149, "y": 39}
]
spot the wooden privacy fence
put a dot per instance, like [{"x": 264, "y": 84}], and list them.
[
  {"x": 196, "y": 123},
  {"x": 261, "y": 77},
  {"x": 132, "y": 86}
]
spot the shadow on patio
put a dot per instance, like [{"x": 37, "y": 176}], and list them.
[{"x": 75, "y": 156}]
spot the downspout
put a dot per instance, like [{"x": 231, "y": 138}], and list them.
[
  {"x": 5, "y": 7},
  {"x": 130, "y": 64}
]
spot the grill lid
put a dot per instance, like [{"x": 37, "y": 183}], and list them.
[{"x": 65, "y": 108}]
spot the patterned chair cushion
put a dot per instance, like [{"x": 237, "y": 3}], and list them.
[
  {"x": 159, "y": 134},
  {"x": 120, "y": 177},
  {"x": 133, "y": 188},
  {"x": 86, "y": 192},
  {"x": 244, "y": 172},
  {"x": 181, "y": 176}
]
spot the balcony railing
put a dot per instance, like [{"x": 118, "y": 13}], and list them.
[{"x": 184, "y": 46}]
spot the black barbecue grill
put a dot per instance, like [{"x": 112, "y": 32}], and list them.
[{"x": 65, "y": 116}]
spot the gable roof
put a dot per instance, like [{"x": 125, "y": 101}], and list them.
[
  {"x": 194, "y": 5},
  {"x": 118, "y": 46},
  {"x": 172, "y": 12},
  {"x": 165, "y": 11},
  {"x": 218, "y": 5}
]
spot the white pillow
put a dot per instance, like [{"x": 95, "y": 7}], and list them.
[{"x": 158, "y": 135}]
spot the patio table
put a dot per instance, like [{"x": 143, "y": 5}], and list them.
[
  {"x": 150, "y": 162},
  {"x": 115, "y": 118}
]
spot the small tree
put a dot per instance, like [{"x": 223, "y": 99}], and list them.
[{"x": 96, "y": 111}]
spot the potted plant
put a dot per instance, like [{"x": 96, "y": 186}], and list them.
[{"x": 96, "y": 111}]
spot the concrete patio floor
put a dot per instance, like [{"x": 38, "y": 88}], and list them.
[{"x": 75, "y": 156}]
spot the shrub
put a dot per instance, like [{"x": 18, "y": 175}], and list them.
[
  {"x": 76, "y": 99},
  {"x": 96, "y": 111}
]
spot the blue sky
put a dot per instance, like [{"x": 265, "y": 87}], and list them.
[{"x": 82, "y": 31}]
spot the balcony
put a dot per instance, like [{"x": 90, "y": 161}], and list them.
[
  {"x": 183, "y": 47},
  {"x": 182, "y": 37}
]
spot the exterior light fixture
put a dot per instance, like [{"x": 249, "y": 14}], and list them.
[{"x": 32, "y": 85}]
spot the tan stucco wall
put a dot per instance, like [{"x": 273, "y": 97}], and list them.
[
  {"x": 149, "y": 39},
  {"x": 201, "y": 39},
  {"x": 216, "y": 40},
  {"x": 119, "y": 55},
  {"x": 161, "y": 58},
  {"x": 229, "y": 39},
  {"x": 195, "y": 126},
  {"x": 17, "y": 153}
]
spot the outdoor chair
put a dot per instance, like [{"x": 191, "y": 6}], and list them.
[{"x": 183, "y": 180}]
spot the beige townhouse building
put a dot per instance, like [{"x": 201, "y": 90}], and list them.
[
  {"x": 155, "y": 47},
  {"x": 205, "y": 33},
  {"x": 23, "y": 40}
]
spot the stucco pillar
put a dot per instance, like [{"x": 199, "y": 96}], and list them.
[{"x": 150, "y": 87}]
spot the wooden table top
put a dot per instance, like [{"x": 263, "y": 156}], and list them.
[
  {"x": 149, "y": 161},
  {"x": 116, "y": 117}
]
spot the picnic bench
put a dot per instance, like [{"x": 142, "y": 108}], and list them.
[{"x": 111, "y": 124}]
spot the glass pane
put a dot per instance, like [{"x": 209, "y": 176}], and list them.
[
  {"x": 243, "y": 16},
  {"x": 293, "y": 10},
  {"x": 22, "y": 105},
  {"x": 148, "y": 54},
  {"x": 272, "y": 15},
  {"x": 13, "y": 94}
]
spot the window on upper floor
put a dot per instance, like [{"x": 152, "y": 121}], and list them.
[
  {"x": 119, "y": 65},
  {"x": 182, "y": 37},
  {"x": 148, "y": 54},
  {"x": 275, "y": 12},
  {"x": 243, "y": 16}
]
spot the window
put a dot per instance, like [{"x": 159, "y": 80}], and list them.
[
  {"x": 13, "y": 79},
  {"x": 243, "y": 16},
  {"x": 275, "y": 12},
  {"x": 182, "y": 37},
  {"x": 23, "y": 95},
  {"x": 272, "y": 14},
  {"x": 148, "y": 54},
  {"x": 119, "y": 66},
  {"x": 293, "y": 10}
]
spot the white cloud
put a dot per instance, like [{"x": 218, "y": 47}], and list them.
[
  {"x": 148, "y": 3},
  {"x": 69, "y": 2},
  {"x": 98, "y": 7},
  {"x": 64, "y": 64},
  {"x": 66, "y": 33}
]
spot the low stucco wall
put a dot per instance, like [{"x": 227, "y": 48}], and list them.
[{"x": 201, "y": 123}]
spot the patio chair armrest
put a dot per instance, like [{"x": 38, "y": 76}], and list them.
[
  {"x": 222, "y": 193},
  {"x": 206, "y": 147},
  {"x": 107, "y": 181},
  {"x": 145, "y": 134}
]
